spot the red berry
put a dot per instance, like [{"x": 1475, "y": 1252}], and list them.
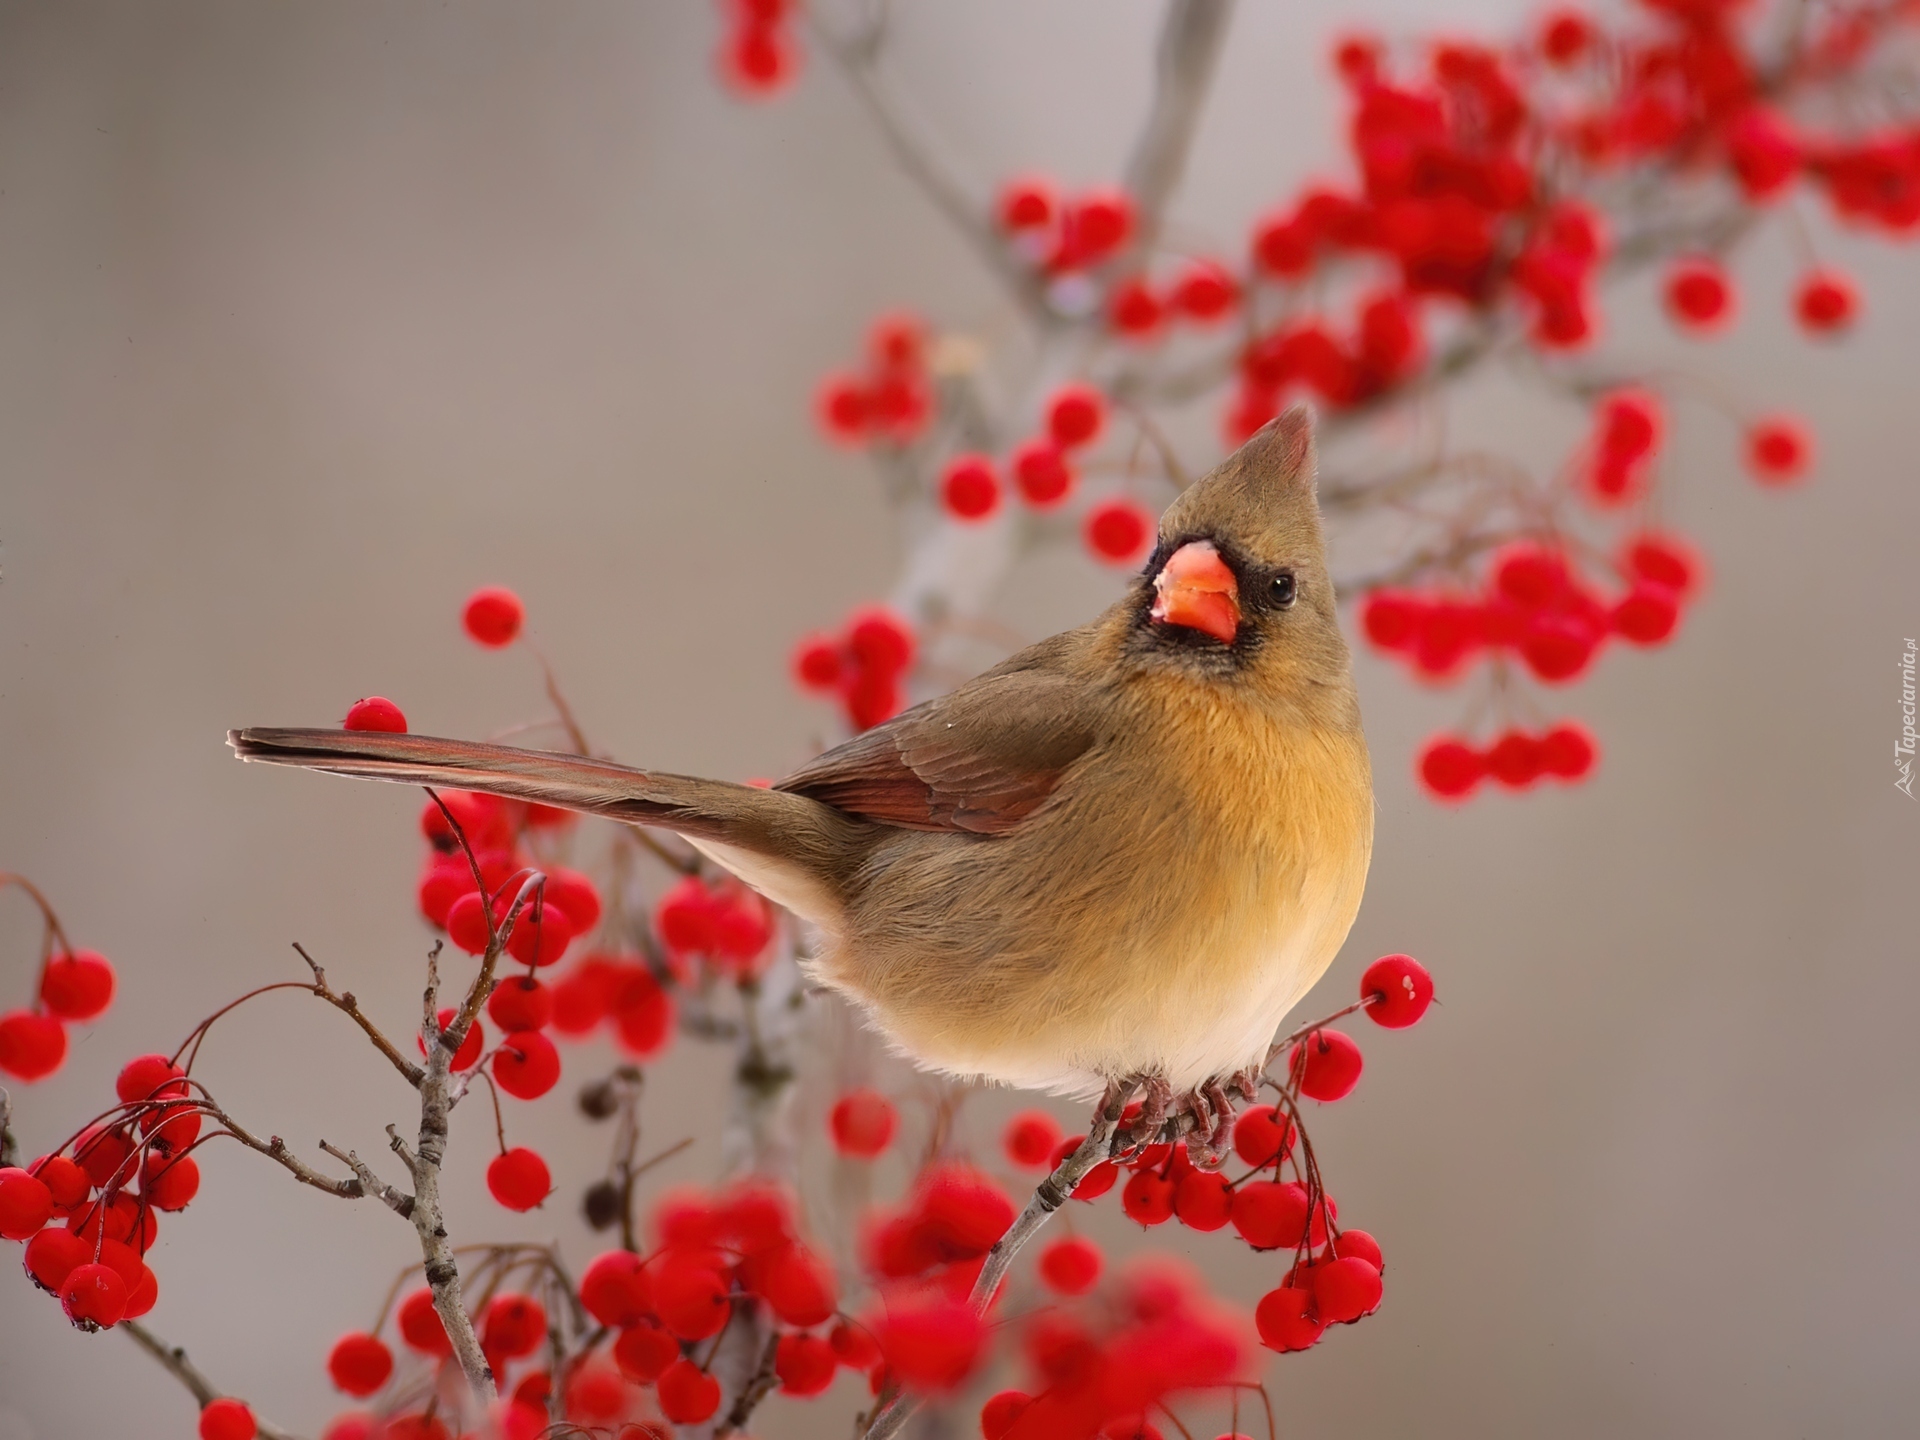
[
  {"x": 616, "y": 1290},
  {"x": 1567, "y": 751},
  {"x": 66, "y": 1182},
  {"x": 357, "y": 1426},
  {"x": 467, "y": 922},
  {"x": 172, "y": 1180},
  {"x": 526, "y": 1065},
  {"x": 1698, "y": 294},
  {"x": 863, "y": 1122},
  {"x": 1778, "y": 450},
  {"x": 1627, "y": 425},
  {"x": 31, "y": 1046},
  {"x": 359, "y": 1363},
  {"x": 805, "y": 1364},
  {"x": 1390, "y": 619},
  {"x": 1358, "y": 1245},
  {"x": 1646, "y": 615},
  {"x": 1148, "y": 1198},
  {"x": 77, "y": 986},
  {"x": 644, "y": 1351},
  {"x": 420, "y": 1324},
  {"x": 1826, "y": 302},
  {"x": 643, "y": 1013},
  {"x": 1071, "y": 1266},
  {"x": 897, "y": 341},
  {"x": 1263, "y": 1135},
  {"x": 759, "y": 60},
  {"x": 376, "y": 712},
  {"x": 1288, "y": 1320},
  {"x": 227, "y": 1419},
  {"x": 1270, "y": 1215},
  {"x": 970, "y": 487},
  {"x": 1556, "y": 648},
  {"x": 932, "y": 1344},
  {"x": 94, "y": 1297},
  {"x": 493, "y": 616},
  {"x": 518, "y": 1179},
  {"x": 1328, "y": 1063},
  {"x": 1134, "y": 309},
  {"x": 1204, "y": 291},
  {"x": 541, "y": 934},
  {"x": 520, "y": 1002},
  {"x": 1092, "y": 229},
  {"x": 1530, "y": 577},
  {"x": 1664, "y": 560},
  {"x": 687, "y": 1393},
  {"x": 799, "y": 1288},
  {"x": 1344, "y": 1290},
  {"x": 854, "y": 1345},
  {"x": 146, "y": 1076},
  {"x": 880, "y": 641},
  {"x": 1399, "y": 989},
  {"x": 817, "y": 663},
  {"x": 1565, "y": 36},
  {"x": 998, "y": 1415},
  {"x": 843, "y": 409},
  {"x": 1451, "y": 769},
  {"x": 470, "y": 1047},
  {"x": 102, "y": 1151},
  {"x": 1030, "y": 1138},
  {"x": 51, "y": 1257},
  {"x": 1026, "y": 203},
  {"x": 1042, "y": 472},
  {"x": 514, "y": 1325},
  {"x": 1514, "y": 760},
  {"x": 575, "y": 894},
  {"x": 26, "y": 1204},
  {"x": 1202, "y": 1200},
  {"x": 1118, "y": 531},
  {"x": 1075, "y": 415}
]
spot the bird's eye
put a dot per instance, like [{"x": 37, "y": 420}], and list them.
[{"x": 1283, "y": 588}]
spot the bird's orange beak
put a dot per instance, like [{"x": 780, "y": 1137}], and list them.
[{"x": 1196, "y": 589}]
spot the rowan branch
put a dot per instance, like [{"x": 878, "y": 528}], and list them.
[
  {"x": 348, "y": 1006},
  {"x": 396, "y": 1200},
  {"x": 1190, "y": 39},
  {"x": 173, "y": 1359}
]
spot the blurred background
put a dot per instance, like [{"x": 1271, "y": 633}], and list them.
[{"x": 318, "y": 316}]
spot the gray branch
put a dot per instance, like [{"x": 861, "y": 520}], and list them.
[
  {"x": 1190, "y": 39},
  {"x": 174, "y": 1360}
]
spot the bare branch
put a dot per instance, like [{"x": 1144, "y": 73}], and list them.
[
  {"x": 397, "y": 1201},
  {"x": 350, "y": 1007},
  {"x": 174, "y": 1360},
  {"x": 1190, "y": 40}
]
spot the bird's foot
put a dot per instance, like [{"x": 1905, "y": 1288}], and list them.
[
  {"x": 1212, "y": 1134},
  {"x": 1156, "y": 1101}
]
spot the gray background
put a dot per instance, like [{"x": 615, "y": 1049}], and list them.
[{"x": 317, "y": 316}]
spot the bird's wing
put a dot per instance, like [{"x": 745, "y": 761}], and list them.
[{"x": 979, "y": 760}]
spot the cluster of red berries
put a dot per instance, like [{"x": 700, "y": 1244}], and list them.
[
  {"x": 1101, "y": 1367},
  {"x": 76, "y": 986},
  {"x": 1060, "y": 234},
  {"x": 1202, "y": 292},
  {"x": 865, "y": 666},
  {"x": 1536, "y": 606},
  {"x": 759, "y": 57},
  {"x": 108, "y": 1185},
  {"x": 726, "y": 925},
  {"x": 891, "y": 402},
  {"x": 1452, "y": 769}
]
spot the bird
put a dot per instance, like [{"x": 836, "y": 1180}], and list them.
[{"x": 1122, "y": 855}]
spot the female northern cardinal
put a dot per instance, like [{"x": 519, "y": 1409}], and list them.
[{"x": 1124, "y": 853}]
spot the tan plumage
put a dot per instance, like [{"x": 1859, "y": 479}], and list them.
[{"x": 1127, "y": 850}]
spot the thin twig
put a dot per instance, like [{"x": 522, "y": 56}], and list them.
[
  {"x": 347, "y": 1005},
  {"x": 174, "y": 1360},
  {"x": 397, "y": 1201}
]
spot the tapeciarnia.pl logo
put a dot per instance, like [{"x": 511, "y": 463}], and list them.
[{"x": 1903, "y": 747}]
